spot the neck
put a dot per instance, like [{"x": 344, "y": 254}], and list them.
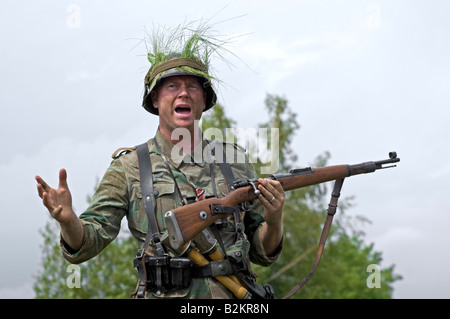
[{"x": 183, "y": 137}]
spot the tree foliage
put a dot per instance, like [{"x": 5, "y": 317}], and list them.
[
  {"x": 342, "y": 273},
  {"x": 110, "y": 275}
]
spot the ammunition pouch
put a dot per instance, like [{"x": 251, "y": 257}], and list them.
[
  {"x": 180, "y": 272},
  {"x": 164, "y": 273}
]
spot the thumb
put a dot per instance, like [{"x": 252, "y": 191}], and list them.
[{"x": 63, "y": 178}]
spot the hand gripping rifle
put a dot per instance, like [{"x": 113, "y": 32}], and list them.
[{"x": 186, "y": 222}]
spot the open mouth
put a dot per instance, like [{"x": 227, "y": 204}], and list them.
[{"x": 183, "y": 110}]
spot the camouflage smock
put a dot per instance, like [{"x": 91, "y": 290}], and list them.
[{"x": 119, "y": 195}]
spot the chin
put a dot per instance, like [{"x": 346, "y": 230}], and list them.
[{"x": 184, "y": 123}]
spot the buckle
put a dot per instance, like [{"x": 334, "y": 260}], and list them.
[
  {"x": 140, "y": 253},
  {"x": 270, "y": 293}
]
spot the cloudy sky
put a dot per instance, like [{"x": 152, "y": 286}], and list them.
[{"x": 364, "y": 77}]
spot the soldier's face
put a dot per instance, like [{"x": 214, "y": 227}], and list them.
[{"x": 180, "y": 101}]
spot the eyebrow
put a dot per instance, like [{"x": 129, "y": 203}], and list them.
[{"x": 188, "y": 81}]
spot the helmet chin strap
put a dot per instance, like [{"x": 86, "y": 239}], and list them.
[{"x": 172, "y": 64}]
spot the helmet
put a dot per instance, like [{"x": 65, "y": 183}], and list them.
[{"x": 173, "y": 67}]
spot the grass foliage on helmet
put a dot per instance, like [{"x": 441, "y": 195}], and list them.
[{"x": 184, "y": 50}]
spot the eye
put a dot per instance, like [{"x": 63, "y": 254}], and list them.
[{"x": 193, "y": 86}]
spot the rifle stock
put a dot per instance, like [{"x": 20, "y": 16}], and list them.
[{"x": 184, "y": 223}]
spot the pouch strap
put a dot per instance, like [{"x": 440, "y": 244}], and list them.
[
  {"x": 214, "y": 268},
  {"x": 148, "y": 197},
  {"x": 148, "y": 200}
]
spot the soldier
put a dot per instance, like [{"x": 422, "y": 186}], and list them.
[{"x": 178, "y": 89}]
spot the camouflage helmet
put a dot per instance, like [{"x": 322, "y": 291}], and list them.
[{"x": 176, "y": 65}]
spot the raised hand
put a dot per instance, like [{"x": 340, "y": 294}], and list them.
[
  {"x": 59, "y": 204},
  {"x": 58, "y": 201}
]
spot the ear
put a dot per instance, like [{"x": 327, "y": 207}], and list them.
[
  {"x": 154, "y": 97},
  {"x": 204, "y": 99}
]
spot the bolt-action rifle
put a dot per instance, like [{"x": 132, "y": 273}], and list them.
[{"x": 185, "y": 222}]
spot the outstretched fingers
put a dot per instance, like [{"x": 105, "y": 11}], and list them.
[
  {"x": 41, "y": 186},
  {"x": 63, "y": 178},
  {"x": 49, "y": 195},
  {"x": 57, "y": 201}
]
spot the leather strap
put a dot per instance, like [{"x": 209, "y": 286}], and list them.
[
  {"x": 148, "y": 200},
  {"x": 158, "y": 148},
  {"x": 173, "y": 64},
  {"x": 225, "y": 167},
  {"x": 332, "y": 206},
  {"x": 148, "y": 196},
  {"x": 214, "y": 268}
]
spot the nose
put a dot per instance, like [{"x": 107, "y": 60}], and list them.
[{"x": 183, "y": 91}]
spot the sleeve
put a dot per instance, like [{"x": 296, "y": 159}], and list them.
[
  {"x": 253, "y": 221},
  {"x": 258, "y": 254},
  {"x": 102, "y": 219}
]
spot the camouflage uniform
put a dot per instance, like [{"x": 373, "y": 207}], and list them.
[{"x": 119, "y": 195}]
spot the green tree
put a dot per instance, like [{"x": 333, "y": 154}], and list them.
[{"x": 216, "y": 118}]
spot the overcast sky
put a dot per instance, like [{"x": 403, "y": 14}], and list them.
[{"x": 364, "y": 77}]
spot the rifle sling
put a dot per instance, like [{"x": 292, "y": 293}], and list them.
[{"x": 332, "y": 206}]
